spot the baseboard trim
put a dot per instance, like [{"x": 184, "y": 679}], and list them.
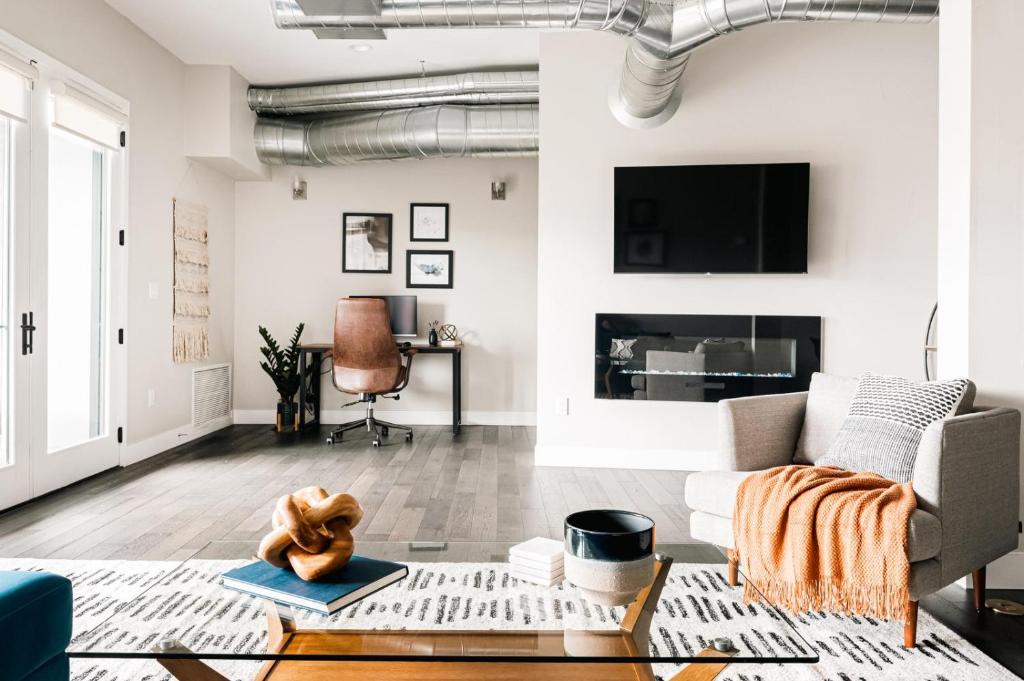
[
  {"x": 158, "y": 444},
  {"x": 412, "y": 418},
  {"x": 622, "y": 457}
]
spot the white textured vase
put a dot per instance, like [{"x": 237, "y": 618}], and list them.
[{"x": 607, "y": 582}]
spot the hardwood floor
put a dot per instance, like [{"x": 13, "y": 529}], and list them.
[{"x": 478, "y": 487}]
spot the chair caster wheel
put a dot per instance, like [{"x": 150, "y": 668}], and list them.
[
  {"x": 408, "y": 437},
  {"x": 376, "y": 443},
  {"x": 385, "y": 432}
]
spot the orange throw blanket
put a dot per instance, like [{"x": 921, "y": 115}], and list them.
[{"x": 821, "y": 538}]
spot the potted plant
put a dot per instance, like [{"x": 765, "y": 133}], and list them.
[{"x": 283, "y": 368}]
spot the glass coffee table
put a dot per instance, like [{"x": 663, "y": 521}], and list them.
[{"x": 458, "y": 615}]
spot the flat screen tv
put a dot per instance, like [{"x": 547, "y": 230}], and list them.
[{"x": 710, "y": 219}]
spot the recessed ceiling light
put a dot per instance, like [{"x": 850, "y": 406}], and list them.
[{"x": 360, "y": 47}]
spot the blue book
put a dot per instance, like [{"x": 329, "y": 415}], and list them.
[{"x": 358, "y": 579}]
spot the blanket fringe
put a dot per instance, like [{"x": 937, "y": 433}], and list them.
[{"x": 882, "y": 601}]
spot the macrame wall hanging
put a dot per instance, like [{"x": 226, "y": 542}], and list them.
[{"x": 191, "y": 283}]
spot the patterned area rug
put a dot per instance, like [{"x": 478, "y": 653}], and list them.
[{"x": 696, "y": 605}]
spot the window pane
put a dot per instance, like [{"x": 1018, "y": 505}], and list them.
[
  {"x": 76, "y": 293},
  {"x": 6, "y": 222}
]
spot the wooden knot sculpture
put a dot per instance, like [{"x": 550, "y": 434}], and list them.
[{"x": 312, "y": 532}]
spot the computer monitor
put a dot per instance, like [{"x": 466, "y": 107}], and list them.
[{"x": 402, "y": 310}]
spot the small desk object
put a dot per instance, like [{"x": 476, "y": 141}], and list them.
[{"x": 312, "y": 355}]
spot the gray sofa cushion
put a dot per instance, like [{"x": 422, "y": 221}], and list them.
[
  {"x": 828, "y": 402},
  {"x": 714, "y": 492},
  {"x": 887, "y": 418},
  {"x": 711, "y": 495}
]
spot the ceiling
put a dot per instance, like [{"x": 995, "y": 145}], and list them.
[{"x": 241, "y": 33}]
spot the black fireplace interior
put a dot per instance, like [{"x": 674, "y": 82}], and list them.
[{"x": 703, "y": 358}]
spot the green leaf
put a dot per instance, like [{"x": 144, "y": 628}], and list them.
[{"x": 282, "y": 366}]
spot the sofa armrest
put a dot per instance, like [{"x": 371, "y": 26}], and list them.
[
  {"x": 967, "y": 473},
  {"x": 755, "y": 433}
]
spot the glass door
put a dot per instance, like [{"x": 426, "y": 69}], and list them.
[
  {"x": 76, "y": 385},
  {"x": 76, "y": 353},
  {"x": 15, "y": 332}
]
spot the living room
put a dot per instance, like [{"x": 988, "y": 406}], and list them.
[{"x": 700, "y": 279}]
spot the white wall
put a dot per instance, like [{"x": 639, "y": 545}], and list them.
[
  {"x": 857, "y": 101},
  {"x": 289, "y": 270},
  {"x": 90, "y": 37}
]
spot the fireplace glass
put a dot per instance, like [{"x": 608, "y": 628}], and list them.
[{"x": 703, "y": 358}]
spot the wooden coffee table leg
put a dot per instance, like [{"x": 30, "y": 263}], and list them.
[
  {"x": 187, "y": 670},
  {"x": 637, "y": 620},
  {"x": 704, "y": 672},
  {"x": 280, "y": 628}
]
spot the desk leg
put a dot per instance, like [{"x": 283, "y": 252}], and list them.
[
  {"x": 456, "y": 392},
  {"x": 302, "y": 390},
  {"x": 314, "y": 387},
  {"x": 309, "y": 388}
]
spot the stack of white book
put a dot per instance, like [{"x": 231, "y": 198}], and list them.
[{"x": 539, "y": 561}]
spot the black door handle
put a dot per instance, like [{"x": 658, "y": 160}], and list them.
[{"x": 27, "y": 332}]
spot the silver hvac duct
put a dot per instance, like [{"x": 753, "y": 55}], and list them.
[
  {"x": 662, "y": 32},
  {"x": 445, "y": 131},
  {"x": 500, "y": 87}
]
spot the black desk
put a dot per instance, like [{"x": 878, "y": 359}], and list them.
[{"x": 311, "y": 356}]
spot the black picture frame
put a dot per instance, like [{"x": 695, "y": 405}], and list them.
[
  {"x": 450, "y": 255},
  {"x": 388, "y": 218},
  {"x": 412, "y": 221}
]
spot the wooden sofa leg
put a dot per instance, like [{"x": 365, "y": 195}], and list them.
[
  {"x": 910, "y": 626},
  {"x": 978, "y": 582},
  {"x": 734, "y": 570}
]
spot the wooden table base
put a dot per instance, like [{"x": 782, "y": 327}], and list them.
[{"x": 631, "y": 637}]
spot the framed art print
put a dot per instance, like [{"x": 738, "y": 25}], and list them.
[
  {"x": 366, "y": 242},
  {"x": 429, "y": 269},
  {"x": 428, "y": 222}
]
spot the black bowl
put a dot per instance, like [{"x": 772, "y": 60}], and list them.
[{"x": 616, "y": 536}]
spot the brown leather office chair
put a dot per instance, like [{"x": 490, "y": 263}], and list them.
[{"x": 368, "y": 363}]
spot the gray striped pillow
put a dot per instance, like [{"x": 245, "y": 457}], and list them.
[{"x": 885, "y": 423}]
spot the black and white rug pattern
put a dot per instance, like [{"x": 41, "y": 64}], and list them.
[{"x": 696, "y": 606}]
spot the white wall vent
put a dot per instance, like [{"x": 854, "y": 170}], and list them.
[{"x": 211, "y": 394}]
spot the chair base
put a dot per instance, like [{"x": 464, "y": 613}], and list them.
[{"x": 380, "y": 429}]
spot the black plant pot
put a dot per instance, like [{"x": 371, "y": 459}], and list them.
[
  {"x": 432, "y": 338},
  {"x": 287, "y": 416}
]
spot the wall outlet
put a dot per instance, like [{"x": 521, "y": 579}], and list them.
[
  {"x": 154, "y": 290},
  {"x": 151, "y": 397},
  {"x": 562, "y": 407}
]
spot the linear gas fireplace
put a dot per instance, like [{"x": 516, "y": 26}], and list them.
[{"x": 703, "y": 358}]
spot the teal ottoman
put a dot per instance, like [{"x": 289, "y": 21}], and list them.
[{"x": 35, "y": 626}]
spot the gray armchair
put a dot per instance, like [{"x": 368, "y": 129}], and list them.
[{"x": 966, "y": 477}]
